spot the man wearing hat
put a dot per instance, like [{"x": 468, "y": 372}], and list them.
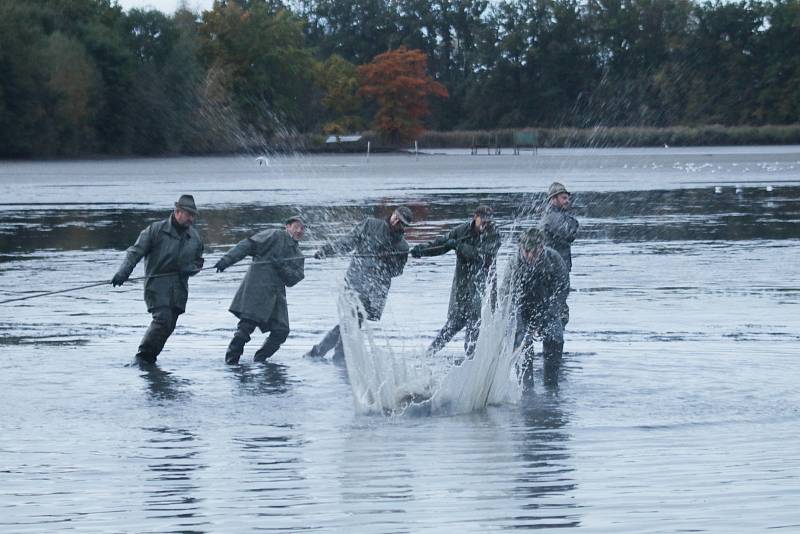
[
  {"x": 260, "y": 301},
  {"x": 475, "y": 243},
  {"x": 172, "y": 252},
  {"x": 380, "y": 254},
  {"x": 559, "y": 227},
  {"x": 537, "y": 281}
]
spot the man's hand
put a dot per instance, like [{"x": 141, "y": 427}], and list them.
[
  {"x": 118, "y": 279},
  {"x": 220, "y": 266},
  {"x": 318, "y": 255},
  {"x": 416, "y": 252}
]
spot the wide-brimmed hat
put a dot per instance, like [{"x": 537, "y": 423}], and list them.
[
  {"x": 556, "y": 188},
  {"x": 530, "y": 239},
  {"x": 405, "y": 215},
  {"x": 186, "y": 203}
]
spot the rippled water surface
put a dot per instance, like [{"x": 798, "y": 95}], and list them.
[{"x": 677, "y": 409}]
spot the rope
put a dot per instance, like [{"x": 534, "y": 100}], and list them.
[{"x": 280, "y": 260}]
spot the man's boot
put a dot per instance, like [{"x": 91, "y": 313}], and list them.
[
  {"x": 328, "y": 342},
  {"x": 236, "y": 346},
  {"x": 553, "y": 352},
  {"x": 271, "y": 345}
]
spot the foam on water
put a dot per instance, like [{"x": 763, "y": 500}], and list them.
[{"x": 386, "y": 382}]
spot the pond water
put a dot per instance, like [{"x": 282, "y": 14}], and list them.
[{"x": 677, "y": 409}]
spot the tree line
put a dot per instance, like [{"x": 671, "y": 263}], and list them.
[{"x": 84, "y": 76}]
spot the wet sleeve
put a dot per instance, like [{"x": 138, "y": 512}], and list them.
[
  {"x": 346, "y": 243},
  {"x": 561, "y": 227},
  {"x": 438, "y": 246},
  {"x": 237, "y": 253},
  {"x": 292, "y": 266},
  {"x": 140, "y": 249},
  {"x": 197, "y": 264}
]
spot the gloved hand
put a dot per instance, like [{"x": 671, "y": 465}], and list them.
[
  {"x": 416, "y": 252},
  {"x": 118, "y": 279},
  {"x": 451, "y": 243},
  {"x": 318, "y": 255},
  {"x": 220, "y": 266}
]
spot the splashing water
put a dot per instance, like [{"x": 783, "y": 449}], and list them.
[{"x": 386, "y": 382}]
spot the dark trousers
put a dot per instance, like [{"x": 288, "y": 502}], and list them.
[
  {"x": 471, "y": 325},
  {"x": 277, "y": 335},
  {"x": 551, "y": 330},
  {"x": 161, "y": 327},
  {"x": 332, "y": 340}
]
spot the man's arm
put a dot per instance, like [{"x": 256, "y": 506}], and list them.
[
  {"x": 344, "y": 244},
  {"x": 134, "y": 254},
  {"x": 241, "y": 250}
]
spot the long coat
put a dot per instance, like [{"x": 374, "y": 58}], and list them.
[
  {"x": 165, "y": 251},
  {"x": 277, "y": 263},
  {"x": 560, "y": 229},
  {"x": 380, "y": 254},
  {"x": 475, "y": 254},
  {"x": 539, "y": 291}
]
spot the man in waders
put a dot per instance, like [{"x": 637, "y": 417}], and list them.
[
  {"x": 172, "y": 252},
  {"x": 475, "y": 243},
  {"x": 560, "y": 229},
  {"x": 537, "y": 281},
  {"x": 380, "y": 254},
  {"x": 260, "y": 301}
]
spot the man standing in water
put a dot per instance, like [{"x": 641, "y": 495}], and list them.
[
  {"x": 173, "y": 251},
  {"x": 560, "y": 228},
  {"x": 537, "y": 281},
  {"x": 260, "y": 301},
  {"x": 475, "y": 243},
  {"x": 381, "y": 252}
]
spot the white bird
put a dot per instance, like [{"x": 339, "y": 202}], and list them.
[
  {"x": 262, "y": 160},
  {"x": 718, "y": 189},
  {"x": 769, "y": 189}
]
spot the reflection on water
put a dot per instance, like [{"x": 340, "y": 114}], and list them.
[
  {"x": 163, "y": 385},
  {"x": 545, "y": 482},
  {"x": 678, "y": 389},
  {"x": 260, "y": 379},
  {"x": 173, "y": 462}
]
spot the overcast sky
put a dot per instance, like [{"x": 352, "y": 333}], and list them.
[{"x": 167, "y": 6}]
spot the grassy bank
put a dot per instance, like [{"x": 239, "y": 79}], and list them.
[{"x": 713, "y": 135}]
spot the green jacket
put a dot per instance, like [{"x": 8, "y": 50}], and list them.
[
  {"x": 380, "y": 254},
  {"x": 475, "y": 255},
  {"x": 165, "y": 250},
  {"x": 277, "y": 263},
  {"x": 539, "y": 291},
  {"x": 560, "y": 229}
]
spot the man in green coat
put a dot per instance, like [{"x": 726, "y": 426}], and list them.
[
  {"x": 380, "y": 254},
  {"x": 560, "y": 229},
  {"x": 172, "y": 252},
  {"x": 537, "y": 281},
  {"x": 260, "y": 301},
  {"x": 475, "y": 243}
]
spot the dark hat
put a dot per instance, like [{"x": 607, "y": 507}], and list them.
[
  {"x": 295, "y": 218},
  {"x": 186, "y": 203},
  {"x": 531, "y": 238},
  {"x": 405, "y": 215},
  {"x": 484, "y": 212},
  {"x": 556, "y": 189}
]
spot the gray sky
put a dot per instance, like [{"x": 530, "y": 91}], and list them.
[{"x": 167, "y": 6}]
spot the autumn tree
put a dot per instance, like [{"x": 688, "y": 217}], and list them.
[
  {"x": 398, "y": 81},
  {"x": 338, "y": 79}
]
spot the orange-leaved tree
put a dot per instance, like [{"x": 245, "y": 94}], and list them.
[{"x": 398, "y": 81}]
